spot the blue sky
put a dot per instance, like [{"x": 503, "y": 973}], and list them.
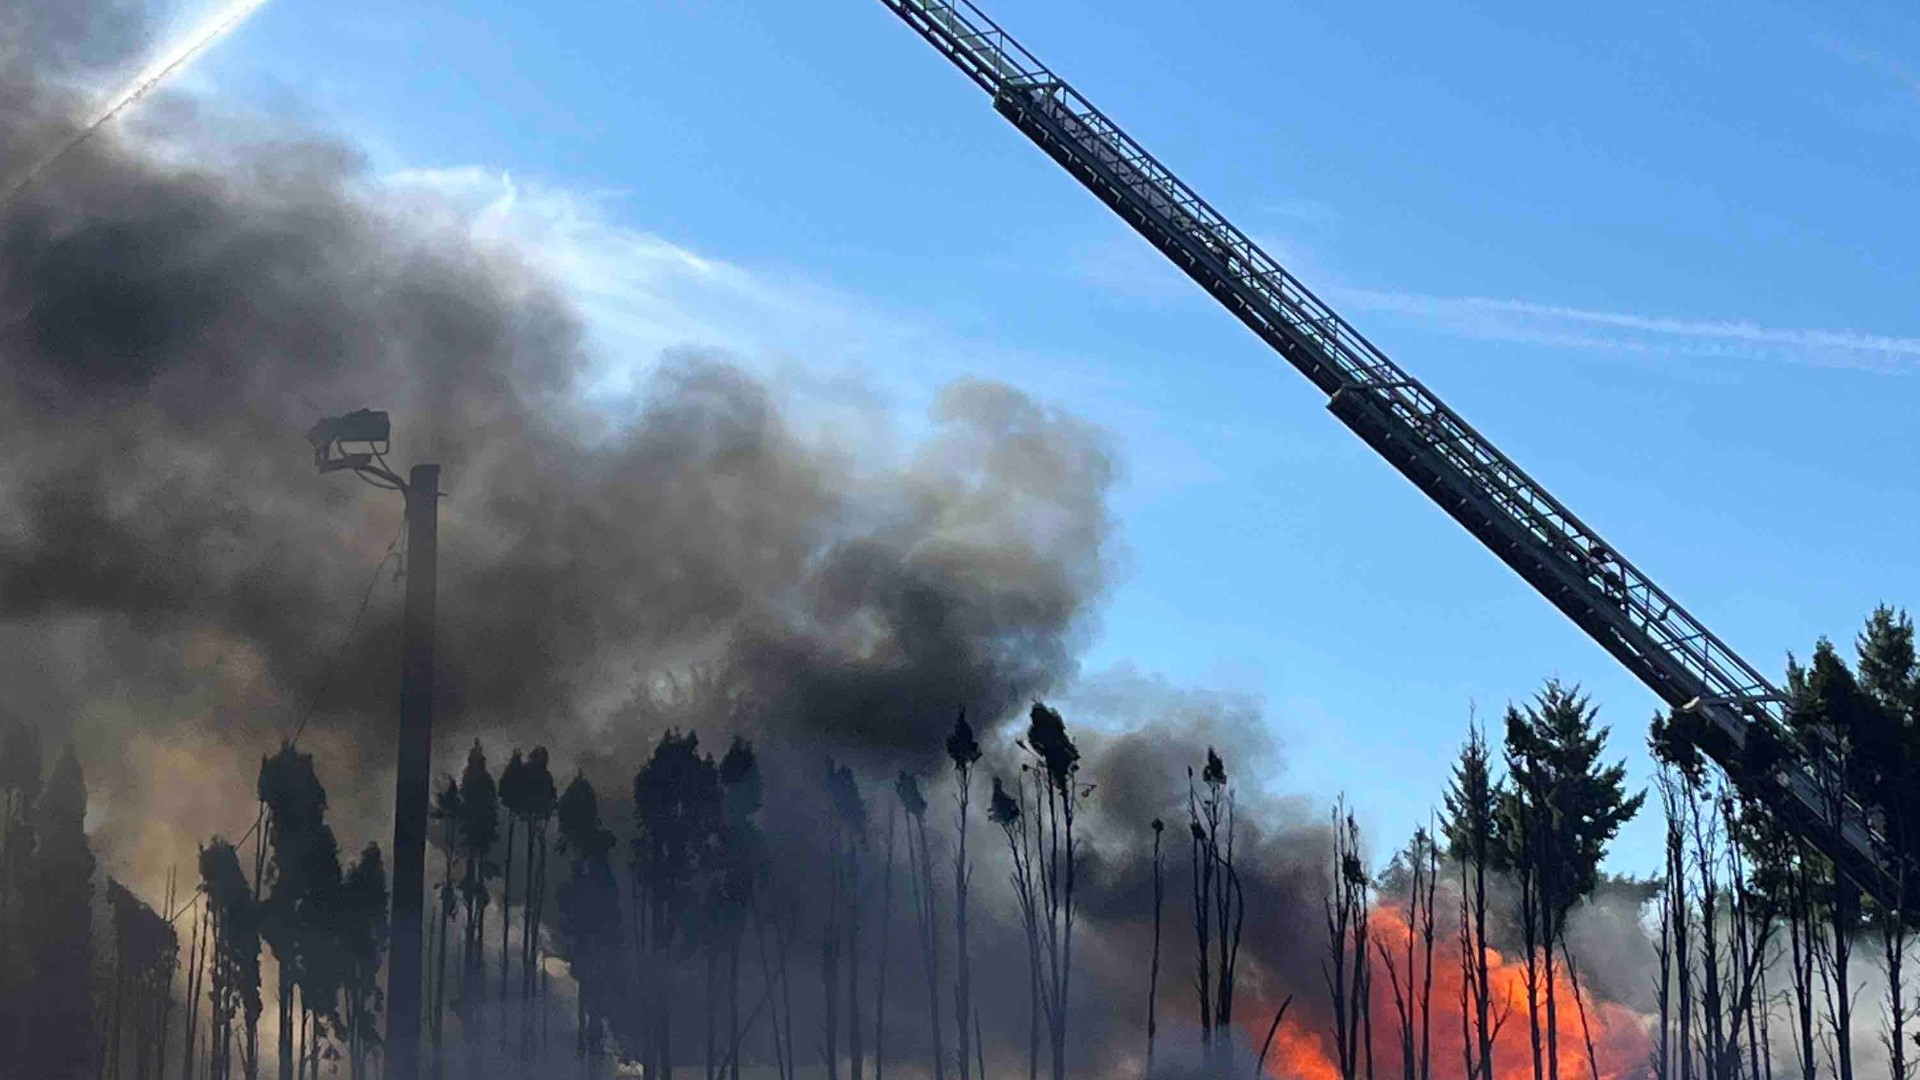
[{"x": 1662, "y": 254}]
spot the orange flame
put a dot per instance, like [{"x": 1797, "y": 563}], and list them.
[{"x": 1621, "y": 1040}]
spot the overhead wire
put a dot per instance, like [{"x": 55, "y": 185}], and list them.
[{"x": 326, "y": 683}]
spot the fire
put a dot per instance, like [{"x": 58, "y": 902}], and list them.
[{"x": 1304, "y": 1049}]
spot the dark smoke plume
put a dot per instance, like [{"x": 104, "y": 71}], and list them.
[{"x": 172, "y": 570}]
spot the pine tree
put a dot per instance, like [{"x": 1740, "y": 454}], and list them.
[
  {"x": 362, "y": 938},
  {"x": 1890, "y": 676},
  {"x": 303, "y": 875},
  {"x": 741, "y": 861},
  {"x": 589, "y": 905},
  {"x": 513, "y": 793},
  {"x": 539, "y": 798},
  {"x": 234, "y": 984},
  {"x": 676, "y": 815},
  {"x": 1563, "y": 809},
  {"x": 1471, "y": 829},
  {"x": 479, "y": 831}
]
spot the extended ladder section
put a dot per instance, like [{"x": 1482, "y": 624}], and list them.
[{"x": 1607, "y": 596}]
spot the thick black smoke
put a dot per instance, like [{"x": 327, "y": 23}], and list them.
[
  {"x": 172, "y": 327},
  {"x": 178, "y": 305}
]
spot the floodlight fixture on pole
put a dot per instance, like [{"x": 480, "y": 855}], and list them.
[{"x": 359, "y": 441}]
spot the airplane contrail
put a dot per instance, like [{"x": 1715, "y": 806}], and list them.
[{"x": 191, "y": 46}]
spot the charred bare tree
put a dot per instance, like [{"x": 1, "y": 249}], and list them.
[
  {"x": 773, "y": 978},
  {"x": 1671, "y": 952},
  {"x": 145, "y": 952},
  {"x": 846, "y": 839},
  {"x": 1752, "y": 920},
  {"x": 535, "y": 799},
  {"x": 1895, "y": 938},
  {"x": 1010, "y": 813},
  {"x": 1412, "y": 874},
  {"x": 907, "y": 788},
  {"x": 964, "y": 751},
  {"x": 741, "y": 860},
  {"x": 512, "y": 793},
  {"x": 479, "y": 832},
  {"x": 1058, "y": 766},
  {"x": 363, "y": 942},
  {"x": 832, "y": 934},
  {"x": 446, "y": 811},
  {"x": 1426, "y": 945},
  {"x": 1201, "y": 873},
  {"x": 1345, "y": 965},
  {"x": 1153, "y": 972},
  {"x": 880, "y": 961},
  {"x": 196, "y": 982},
  {"x": 234, "y": 989},
  {"x": 1803, "y": 935},
  {"x": 1836, "y": 955},
  {"x": 1703, "y": 833},
  {"x": 1219, "y": 908}
]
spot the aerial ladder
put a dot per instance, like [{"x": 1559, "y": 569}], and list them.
[{"x": 1735, "y": 716}]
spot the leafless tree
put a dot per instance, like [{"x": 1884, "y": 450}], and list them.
[{"x": 1153, "y": 972}]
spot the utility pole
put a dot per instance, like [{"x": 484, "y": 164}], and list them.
[
  {"x": 411, "y": 783},
  {"x": 414, "y": 759}
]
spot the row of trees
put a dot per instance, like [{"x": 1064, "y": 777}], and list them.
[
  {"x": 690, "y": 903},
  {"x": 698, "y": 886},
  {"x": 1524, "y": 831},
  {"x": 325, "y": 925},
  {"x": 1742, "y": 899},
  {"x": 1755, "y": 936},
  {"x": 692, "y": 925}
]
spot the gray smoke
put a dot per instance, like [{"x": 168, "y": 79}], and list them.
[{"x": 170, "y": 564}]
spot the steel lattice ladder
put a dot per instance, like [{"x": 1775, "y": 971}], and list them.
[{"x": 1691, "y": 669}]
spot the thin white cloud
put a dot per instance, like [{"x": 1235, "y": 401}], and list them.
[
  {"x": 641, "y": 296},
  {"x": 1575, "y": 327},
  {"x": 1882, "y": 63}
]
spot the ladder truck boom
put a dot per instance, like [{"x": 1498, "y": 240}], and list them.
[{"x": 1740, "y": 716}]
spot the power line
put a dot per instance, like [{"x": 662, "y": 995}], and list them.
[{"x": 326, "y": 683}]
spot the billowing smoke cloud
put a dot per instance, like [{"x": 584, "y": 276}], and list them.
[{"x": 171, "y": 568}]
